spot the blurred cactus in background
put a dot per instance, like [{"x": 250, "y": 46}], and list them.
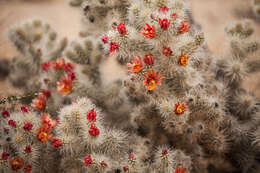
[{"x": 177, "y": 109}]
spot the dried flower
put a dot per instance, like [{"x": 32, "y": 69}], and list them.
[
  {"x": 180, "y": 169},
  {"x": 122, "y": 29},
  {"x": 92, "y": 115},
  {"x": 87, "y": 160},
  {"x": 164, "y": 152},
  {"x": 5, "y": 156},
  {"x": 113, "y": 47},
  {"x": 27, "y": 126},
  {"x": 103, "y": 164},
  {"x": 136, "y": 65},
  {"x": 185, "y": 27},
  {"x": 166, "y": 51},
  {"x": 105, "y": 39},
  {"x": 126, "y": 168},
  {"x": 68, "y": 67},
  {"x": 148, "y": 59},
  {"x": 24, "y": 109},
  {"x": 93, "y": 131},
  {"x": 28, "y": 149},
  {"x": 28, "y": 168},
  {"x": 16, "y": 163},
  {"x": 5, "y": 114},
  {"x": 183, "y": 59},
  {"x": 149, "y": 31},
  {"x": 12, "y": 123},
  {"x": 39, "y": 102},
  {"x": 46, "y": 93},
  {"x": 64, "y": 86},
  {"x": 56, "y": 143},
  {"x": 163, "y": 9},
  {"x": 152, "y": 79},
  {"x": 164, "y": 23},
  {"x": 180, "y": 108}
]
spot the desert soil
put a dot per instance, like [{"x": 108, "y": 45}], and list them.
[{"x": 211, "y": 15}]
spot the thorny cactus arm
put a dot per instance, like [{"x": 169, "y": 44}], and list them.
[{"x": 37, "y": 42}]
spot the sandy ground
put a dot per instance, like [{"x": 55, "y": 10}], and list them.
[{"x": 212, "y": 15}]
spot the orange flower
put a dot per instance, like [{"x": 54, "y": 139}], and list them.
[
  {"x": 185, "y": 27},
  {"x": 39, "y": 102},
  {"x": 49, "y": 122},
  {"x": 59, "y": 64},
  {"x": 43, "y": 134},
  {"x": 149, "y": 31},
  {"x": 183, "y": 59},
  {"x": 16, "y": 163},
  {"x": 136, "y": 65},
  {"x": 180, "y": 169},
  {"x": 64, "y": 86},
  {"x": 180, "y": 108},
  {"x": 152, "y": 79}
]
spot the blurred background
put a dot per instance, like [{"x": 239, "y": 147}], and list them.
[{"x": 210, "y": 15}]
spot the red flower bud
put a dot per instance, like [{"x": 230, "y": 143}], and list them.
[
  {"x": 148, "y": 59},
  {"x": 122, "y": 29}
]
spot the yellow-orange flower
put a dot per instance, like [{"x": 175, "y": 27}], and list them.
[
  {"x": 152, "y": 79},
  {"x": 64, "y": 86},
  {"x": 16, "y": 163},
  {"x": 180, "y": 169},
  {"x": 183, "y": 59},
  {"x": 43, "y": 134},
  {"x": 180, "y": 108},
  {"x": 136, "y": 65}
]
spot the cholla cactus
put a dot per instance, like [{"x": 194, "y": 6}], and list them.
[
  {"x": 256, "y": 7},
  {"x": 178, "y": 109}
]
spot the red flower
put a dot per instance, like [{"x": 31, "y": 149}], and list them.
[
  {"x": 126, "y": 168},
  {"x": 113, "y": 47},
  {"x": 48, "y": 122},
  {"x": 180, "y": 169},
  {"x": 46, "y": 93},
  {"x": 105, "y": 39},
  {"x": 39, "y": 102},
  {"x": 28, "y": 149},
  {"x": 87, "y": 160},
  {"x": 46, "y": 66},
  {"x": 163, "y": 9},
  {"x": 56, "y": 143},
  {"x": 185, "y": 27},
  {"x": 5, "y": 156},
  {"x": 16, "y": 163},
  {"x": 12, "y": 123},
  {"x": 92, "y": 116},
  {"x": 136, "y": 65},
  {"x": 183, "y": 59},
  {"x": 43, "y": 134},
  {"x": 152, "y": 79},
  {"x": 64, "y": 86},
  {"x": 103, "y": 164},
  {"x": 93, "y": 131},
  {"x": 27, "y": 126},
  {"x": 174, "y": 16},
  {"x": 149, "y": 31},
  {"x": 165, "y": 23},
  {"x": 59, "y": 64},
  {"x": 180, "y": 108},
  {"x": 148, "y": 59},
  {"x": 164, "y": 152},
  {"x": 68, "y": 67},
  {"x": 121, "y": 29},
  {"x": 28, "y": 168},
  {"x": 24, "y": 109},
  {"x": 72, "y": 76},
  {"x": 166, "y": 51},
  {"x": 5, "y": 114}
]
